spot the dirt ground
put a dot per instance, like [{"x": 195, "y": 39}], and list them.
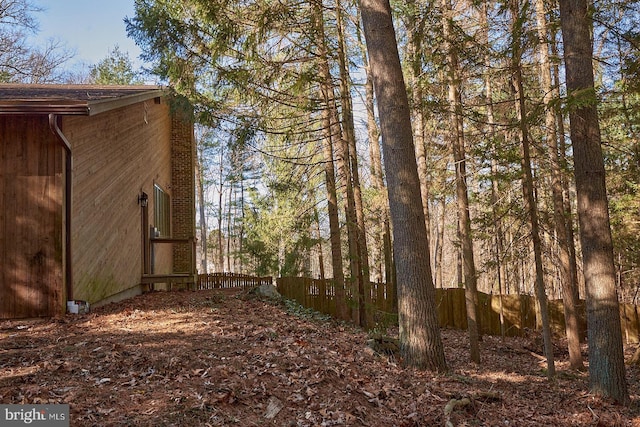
[{"x": 218, "y": 358}]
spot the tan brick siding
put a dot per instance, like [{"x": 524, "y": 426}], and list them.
[{"x": 182, "y": 186}]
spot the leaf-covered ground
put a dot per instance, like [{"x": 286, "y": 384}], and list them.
[{"x": 217, "y": 358}]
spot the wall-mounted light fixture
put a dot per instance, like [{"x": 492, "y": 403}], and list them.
[{"x": 143, "y": 199}]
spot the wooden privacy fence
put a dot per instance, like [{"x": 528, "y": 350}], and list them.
[
  {"x": 320, "y": 295},
  {"x": 230, "y": 280},
  {"x": 519, "y": 312}
]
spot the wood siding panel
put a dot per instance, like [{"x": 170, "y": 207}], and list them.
[
  {"x": 116, "y": 156},
  {"x": 31, "y": 193}
]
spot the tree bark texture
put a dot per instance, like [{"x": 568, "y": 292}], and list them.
[
  {"x": 462, "y": 195},
  {"x": 377, "y": 178},
  {"x": 348, "y": 125},
  {"x": 565, "y": 180},
  {"x": 334, "y": 222},
  {"x": 316, "y": 218},
  {"x": 606, "y": 358},
  {"x": 202, "y": 215},
  {"x": 420, "y": 341},
  {"x": 329, "y": 169},
  {"x": 381, "y": 205},
  {"x": 414, "y": 53},
  {"x": 344, "y": 174},
  {"x": 220, "y": 258},
  {"x": 495, "y": 190},
  {"x": 560, "y": 222},
  {"x": 527, "y": 187}
]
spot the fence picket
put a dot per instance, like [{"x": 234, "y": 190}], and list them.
[
  {"x": 230, "y": 280},
  {"x": 519, "y": 310}
]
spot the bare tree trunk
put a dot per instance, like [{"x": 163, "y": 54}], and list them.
[
  {"x": 527, "y": 189},
  {"x": 380, "y": 204},
  {"x": 241, "y": 231},
  {"x": 334, "y": 226},
  {"x": 344, "y": 174},
  {"x": 220, "y": 199},
  {"x": 607, "y": 375},
  {"x": 459, "y": 256},
  {"x": 414, "y": 53},
  {"x": 491, "y": 123},
  {"x": 341, "y": 147},
  {"x": 364, "y": 279},
  {"x": 420, "y": 341},
  {"x": 329, "y": 168},
  {"x": 366, "y": 315},
  {"x": 566, "y": 278},
  {"x": 562, "y": 151},
  {"x": 499, "y": 234},
  {"x": 229, "y": 203},
  {"x": 202, "y": 214},
  {"x": 377, "y": 178},
  {"x": 319, "y": 238},
  {"x": 462, "y": 196},
  {"x": 439, "y": 250}
]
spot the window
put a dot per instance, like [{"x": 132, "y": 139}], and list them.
[{"x": 162, "y": 212}]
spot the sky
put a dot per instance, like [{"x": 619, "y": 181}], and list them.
[{"x": 92, "y": 28}]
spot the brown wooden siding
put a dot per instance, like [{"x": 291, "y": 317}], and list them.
[
  {"x": 117, "y": 155},
  {"x": 31, "y": 195}
]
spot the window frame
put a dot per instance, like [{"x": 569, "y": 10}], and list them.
[{"x": 161, "y": 211}]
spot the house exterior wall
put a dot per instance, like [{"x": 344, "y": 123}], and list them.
[
  {"x": 117, "y": 155},
  {"x": 31, "y": 224}
]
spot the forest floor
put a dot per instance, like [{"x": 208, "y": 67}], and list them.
[{"x": 223, "y": 357}]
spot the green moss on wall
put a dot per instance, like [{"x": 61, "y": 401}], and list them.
[{"x": 97, "y": 288}]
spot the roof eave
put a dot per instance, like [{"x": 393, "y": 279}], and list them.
[
  {"x": 78, "y": 108},
  {"x": 101, "y": 106},
  {"x": 31, "y": 108}
]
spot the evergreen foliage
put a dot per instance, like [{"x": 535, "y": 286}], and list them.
[
  {"x": 115, "y": 69},
  {"x": 253, "y": 70}
]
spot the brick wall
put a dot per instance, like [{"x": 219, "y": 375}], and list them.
[{"x": 182, "y": 185}]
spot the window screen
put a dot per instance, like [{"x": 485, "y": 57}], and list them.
[{"x": 162, "y": 212}]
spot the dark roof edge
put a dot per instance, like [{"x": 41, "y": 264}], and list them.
[
  {"x": 44, "y": 108},
  {"x": 101, "y": 106},
  {"x": 81, "y": 107}
]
